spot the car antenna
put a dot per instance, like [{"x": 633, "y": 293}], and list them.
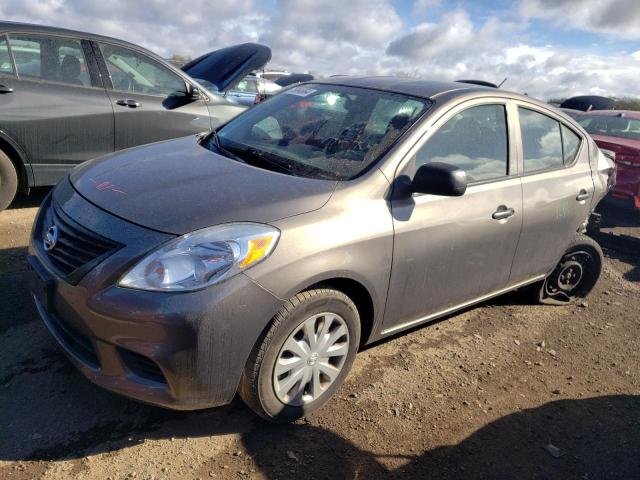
[{"x": 502, "y": 82}]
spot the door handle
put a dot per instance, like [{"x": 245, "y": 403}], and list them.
[
  {"x": 583, "y": 195},
  {"x": 5, "y": 89},
  {"x": 503, "y": 212},
  {"x": 128, "y": 103}
]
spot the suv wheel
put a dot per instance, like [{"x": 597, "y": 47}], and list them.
[
  {"x": 8, "y": 181},
  {"x": 303, "y": 356},
  {"x": 576, "y": 274}
]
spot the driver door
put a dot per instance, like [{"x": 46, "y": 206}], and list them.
[
  {"x": 149, "y": 100},
  {"x": 449, "y": 251}
]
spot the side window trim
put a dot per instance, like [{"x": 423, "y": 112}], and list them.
[
  {"x": 102, "y": 65},
  {"x": 434, "y": 127},
  {"x": 47, "y": 80},
  {"x": 561, "y": 122},
  {"x": 92, "y": 66}
]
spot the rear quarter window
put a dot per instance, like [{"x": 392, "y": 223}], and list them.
[{"x": 570, "y": 145}]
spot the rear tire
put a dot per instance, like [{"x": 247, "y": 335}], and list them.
[
  {"x": 282, "y": 393},
  {"x": 8, "y": 181},
  {"x": 575, "y": 276}
]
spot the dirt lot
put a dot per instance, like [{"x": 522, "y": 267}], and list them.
[{"x": 505, "y": 390}]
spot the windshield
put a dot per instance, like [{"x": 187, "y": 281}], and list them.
[
  {"x": 320, "y": 131},
  {"x": 613, "y": 126}
]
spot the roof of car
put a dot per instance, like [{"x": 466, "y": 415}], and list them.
[
  {"x": 9, "y": 27},
  {"x": 633, "y": 114},
  {"x": 407, "y": 86}
]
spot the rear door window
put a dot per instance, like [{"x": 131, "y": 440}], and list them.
[
  {"x": 6, "y": 67},
  {"x": 541, "y": 141},
  {"x": 55, "y": 59},
  {"x": 474, "y": 140}
]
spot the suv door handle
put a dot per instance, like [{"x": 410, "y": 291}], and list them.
[
  {"x": 128, "y": 103},
  {"x": 5, "y": 89},
  {"x": 583, "y": 195},
  {"x": 503, "y": 212}
]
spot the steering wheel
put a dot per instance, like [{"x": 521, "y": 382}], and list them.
[{"x": 349, "y": 137}]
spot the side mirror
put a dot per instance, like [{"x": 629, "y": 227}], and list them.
[{"x": 439, "y": 178}]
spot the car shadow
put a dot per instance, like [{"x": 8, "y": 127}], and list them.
[
  {"x": 592, "y": 438},
  {"x": 615, "y": 216},
  {"x": 16, "y": 305},
  {"x": 34, "y": 199}
]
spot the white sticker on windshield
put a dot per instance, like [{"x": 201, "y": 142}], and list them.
[{"x": 300, "y": 91}]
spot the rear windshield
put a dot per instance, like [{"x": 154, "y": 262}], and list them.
[
  {"x": 320, "y": 131},
  {"x": 612, "y": 126}
]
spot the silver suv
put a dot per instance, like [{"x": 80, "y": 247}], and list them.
[{"x": 260, "y": 257}]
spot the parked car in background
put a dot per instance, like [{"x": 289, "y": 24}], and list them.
[
  {"x": 617, "y": 133},
  {"x": 259, "y": 258},
  {"x": 272, "y": 74},
  {"x": 251, "y": 90},
  {"x": 586, "y": 103},
  {"x": 68, "y": 96},
  {"x": 293, "y": 79}
]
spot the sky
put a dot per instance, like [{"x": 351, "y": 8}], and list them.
[{"x": 546, "y": 48}]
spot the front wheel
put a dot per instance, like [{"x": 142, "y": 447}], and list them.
[
  {"x": 576, "y": 274},
  {"x": 8, "y": 181},
  {"x": 303, "y": 356}
]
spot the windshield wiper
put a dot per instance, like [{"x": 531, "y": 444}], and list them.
[
  {"x": 216, "y": 142},
  {"x": 253, "y": 156}
]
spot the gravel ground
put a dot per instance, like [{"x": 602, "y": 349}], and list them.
[{"x": 504, "y": 390}]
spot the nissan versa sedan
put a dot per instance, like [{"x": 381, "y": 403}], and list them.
[{"x": 258, "y": 258}]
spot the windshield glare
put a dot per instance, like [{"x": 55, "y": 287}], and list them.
[
  {"x": 613, "y": 126},
  {"x": 322, "y": 131}
]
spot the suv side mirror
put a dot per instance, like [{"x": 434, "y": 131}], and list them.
[{"x": 439, "y": 178}]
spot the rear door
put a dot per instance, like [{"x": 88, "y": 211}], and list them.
[
  {"x": 557, "y": 189},
  {"x": 149, "y": 99},
  {"x": 452, "y": 250},
  {"x": 55, "y": 108}
]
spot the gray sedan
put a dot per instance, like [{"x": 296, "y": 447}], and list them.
[{"x": 258, "y": 259}]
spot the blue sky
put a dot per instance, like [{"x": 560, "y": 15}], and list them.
[{"x": 547, "y": 48}]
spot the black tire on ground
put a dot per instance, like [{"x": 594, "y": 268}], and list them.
[
  {"x": 256, "y": 386},
  {"x": 8, "y": 181},
  {"x": 575, "y": 275}
]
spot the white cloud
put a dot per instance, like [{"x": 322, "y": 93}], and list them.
[
  {"x": 618, "y": 18},
  {"x": 368, "y": 37}
]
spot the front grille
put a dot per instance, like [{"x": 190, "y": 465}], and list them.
[
  {"x": 76, "y": 247},
  {"x": 142, "y": 366},
  {"x": 74, "y": 341}
]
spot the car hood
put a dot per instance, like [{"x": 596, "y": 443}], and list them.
[
  {"x": 178, "y": 186},
  {"x": 225, "y": 68}
]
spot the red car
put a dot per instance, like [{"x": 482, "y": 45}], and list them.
[{"x": 617, "y": 133}]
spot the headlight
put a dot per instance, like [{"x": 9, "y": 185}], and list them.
[{"x": 202, "y": 258}]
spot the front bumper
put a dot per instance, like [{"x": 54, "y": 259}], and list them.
[{"x": 176, "y": 350}]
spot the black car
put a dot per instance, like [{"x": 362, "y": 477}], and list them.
[{"x": 68, "y": 96}]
